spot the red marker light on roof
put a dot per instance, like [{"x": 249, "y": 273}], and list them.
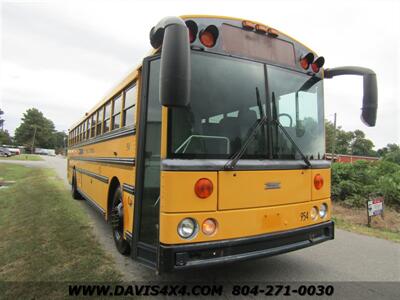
[
  {"x": 317, "y": 64},
  {"x": 209, "y": 36},
  {"x": 306, "y": 60},
  {"x": 192, "y": 26}
]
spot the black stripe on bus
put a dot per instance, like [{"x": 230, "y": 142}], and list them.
[
  {"x": 92, "y": 202},
  {"x": 131, "y": 130},
  {"x": 94, "y": 175},
  {"x": 109, "y": 160},
  {"x": 128, "y": 188}
]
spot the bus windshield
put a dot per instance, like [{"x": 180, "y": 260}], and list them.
[{"x": 228, "y": 98}]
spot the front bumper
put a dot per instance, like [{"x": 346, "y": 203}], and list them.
[{"x": 180, "y": 257}]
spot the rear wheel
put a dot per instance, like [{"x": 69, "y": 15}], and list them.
[
  {"x": 117, "y": 223},
  {"x": 74, "y": 190}
]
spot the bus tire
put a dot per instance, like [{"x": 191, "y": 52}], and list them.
[
  {"x": 117, "y": 223},
  {"x": 74, "y": 190}
]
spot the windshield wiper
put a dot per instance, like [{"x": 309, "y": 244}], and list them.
[
  {"x": 276, "y": 121},
  {"x": 231, "y": 164}
]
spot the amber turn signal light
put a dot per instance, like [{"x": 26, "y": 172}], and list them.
[
  {"x": 209, "y": 227},
  {"x": 318, "y": 181},
  {"x": 203, "y": 188}
]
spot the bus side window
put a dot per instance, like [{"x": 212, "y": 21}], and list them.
[
  {"x": 87, "y": 133},
  {"x": 107, "y": 115},
  {"x": 129, "y": 106},
  {"x": 116, "y": 118},
  {"x": 83, "y": 131},
  {"x": 93, "y": 126},
  {"x": 216, "y": 119},
  {"x": 99, "y": 121}
]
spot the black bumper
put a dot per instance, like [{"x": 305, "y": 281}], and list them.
[{"x": 181, "y": 257}]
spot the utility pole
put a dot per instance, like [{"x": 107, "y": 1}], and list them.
[
  {"x": 334, "y": 138},
  {"x": 34, "y": 135}
]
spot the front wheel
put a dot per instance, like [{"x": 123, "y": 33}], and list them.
[{"x": 117, "y": 223}]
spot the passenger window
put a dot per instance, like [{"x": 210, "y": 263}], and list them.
[
  {"x": 130, "y": 106},
  {"x": 216, "y": 119},
  {"x": 83, "y": 131},
  {"x": 99, "y": 121},
  {"x": 107, "y": 114},
  {"x": 116, "y": 118},
  {"x": 233, "y": 114},
  {"x": 93, "y": 126},
  {"x": 87, "y": 129}
]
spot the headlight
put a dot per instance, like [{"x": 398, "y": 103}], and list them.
[
  {"x": 187, "y": 228},
  {"x": 314, "y": 213},
  {"x": 323, "y": 209}
]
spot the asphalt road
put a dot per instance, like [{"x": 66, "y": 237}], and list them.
[{"x": 350, "y": 257}]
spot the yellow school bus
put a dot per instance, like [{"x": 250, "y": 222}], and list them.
[{"x": 213, "y": 149}]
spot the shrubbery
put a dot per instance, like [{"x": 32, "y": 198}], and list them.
[{"x": 353, "y": 184}]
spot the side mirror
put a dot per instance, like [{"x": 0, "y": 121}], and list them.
[
  {"x": 370, "y": 98},
  {"x": 175, "y": 75}
]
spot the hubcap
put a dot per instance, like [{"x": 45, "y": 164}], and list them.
[{"x": 117, "y": 220}]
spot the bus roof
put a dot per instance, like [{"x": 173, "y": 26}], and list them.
[{"x": 134, "y": 73}]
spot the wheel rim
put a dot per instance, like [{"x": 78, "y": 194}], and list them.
[{"x": 117, "y": 219}]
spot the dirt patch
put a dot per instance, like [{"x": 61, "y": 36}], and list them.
[{"x": 358, "y": 216}]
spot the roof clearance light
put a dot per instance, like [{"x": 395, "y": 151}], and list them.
[
  {"x": 203, "y": 188},
  {"x": 248, "y": 25},
  {"x": 306, "y": 60},
  {"x": 209, "y": 36},
  {"x": 192, "y": 26},
  {"x": 317, "y": 64},
  {"x": 261, "y": 28},
  {"x": 272, "y": 32}
]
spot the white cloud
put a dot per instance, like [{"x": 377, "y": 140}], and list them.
[{"x": 63, "y": 56}]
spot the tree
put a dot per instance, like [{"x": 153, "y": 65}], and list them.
[
  {"x": 5, "y": 138},
  {"x": 391, "y": 152},
  {"x": 361, "y": 145},
  {"x": 348, "y": 142},
  {"x": 1, "y": 119},
  {"x": 393, "y": 156},
  {"x": 343, "y": 141},
  {"x": 59, "y": 139},
  {"x": 329, "y": 132},
  {"x": 33, "y": 120},
  {"x": 388, "y": 149}
]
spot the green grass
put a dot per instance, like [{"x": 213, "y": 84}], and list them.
[
  {"x": 363, "y": 229},
  {"x": 31, "y": 157},
  {"x": 45, "y": 237}
]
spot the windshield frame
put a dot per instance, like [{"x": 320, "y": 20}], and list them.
[{"x": 266, "y": 100}]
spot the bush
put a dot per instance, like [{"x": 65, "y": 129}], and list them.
[
  {"x": 354, "y": 183},
  {"x": 393, "y": 157}
]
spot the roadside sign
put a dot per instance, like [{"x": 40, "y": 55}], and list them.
[{"x": 374, "y": 208}]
